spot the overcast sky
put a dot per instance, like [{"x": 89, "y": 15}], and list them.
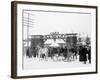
[{"x": 46, "y": 22}]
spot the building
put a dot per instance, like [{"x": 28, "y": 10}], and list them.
[{"x": 69, "y": 39}]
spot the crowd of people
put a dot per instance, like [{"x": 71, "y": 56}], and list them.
[{"x": 60, "y": 53}]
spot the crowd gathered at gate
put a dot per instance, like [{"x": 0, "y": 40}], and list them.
[{"x": 83, "y": 53}]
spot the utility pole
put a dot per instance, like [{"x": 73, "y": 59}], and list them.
[
  {"x": 28, "y": 19},
  {"x": 28, "y": 22}
]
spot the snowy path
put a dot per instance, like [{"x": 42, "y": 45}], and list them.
[{"x": 34, "y": 63}]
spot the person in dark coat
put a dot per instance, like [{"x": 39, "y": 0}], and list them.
[
  {"x": 65, "y": 52},
  {"x": 54, "y": 51},
  {"x": 82, "y": 54},
  {"x": 89, "y": 54},
  {"x": 34, "y": 52},
  {"x": 75, "y": 53},
  {"x": 29, "y": 53}
]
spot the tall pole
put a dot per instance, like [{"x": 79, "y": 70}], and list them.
[
  {"x": 27, "y": 23},
  {"x": 28, "y": 31}
]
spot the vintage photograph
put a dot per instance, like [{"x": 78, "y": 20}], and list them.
[{"x": 54, "y": 39}]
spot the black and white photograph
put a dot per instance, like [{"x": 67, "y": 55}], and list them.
[{"x": 55, "y": 39}]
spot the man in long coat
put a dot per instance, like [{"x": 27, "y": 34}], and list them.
[
  {"x": 83, "y": 54},
  {"x": 65, "y": 52},
  {"x": 89, "y": 54}
]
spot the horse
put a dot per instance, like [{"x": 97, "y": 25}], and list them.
[{"x": 43, "y": 53}]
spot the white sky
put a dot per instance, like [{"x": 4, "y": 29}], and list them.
[{"x": 46, "y": 22}]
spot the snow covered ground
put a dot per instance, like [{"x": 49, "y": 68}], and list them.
[{"x": 35, "y": 63}]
